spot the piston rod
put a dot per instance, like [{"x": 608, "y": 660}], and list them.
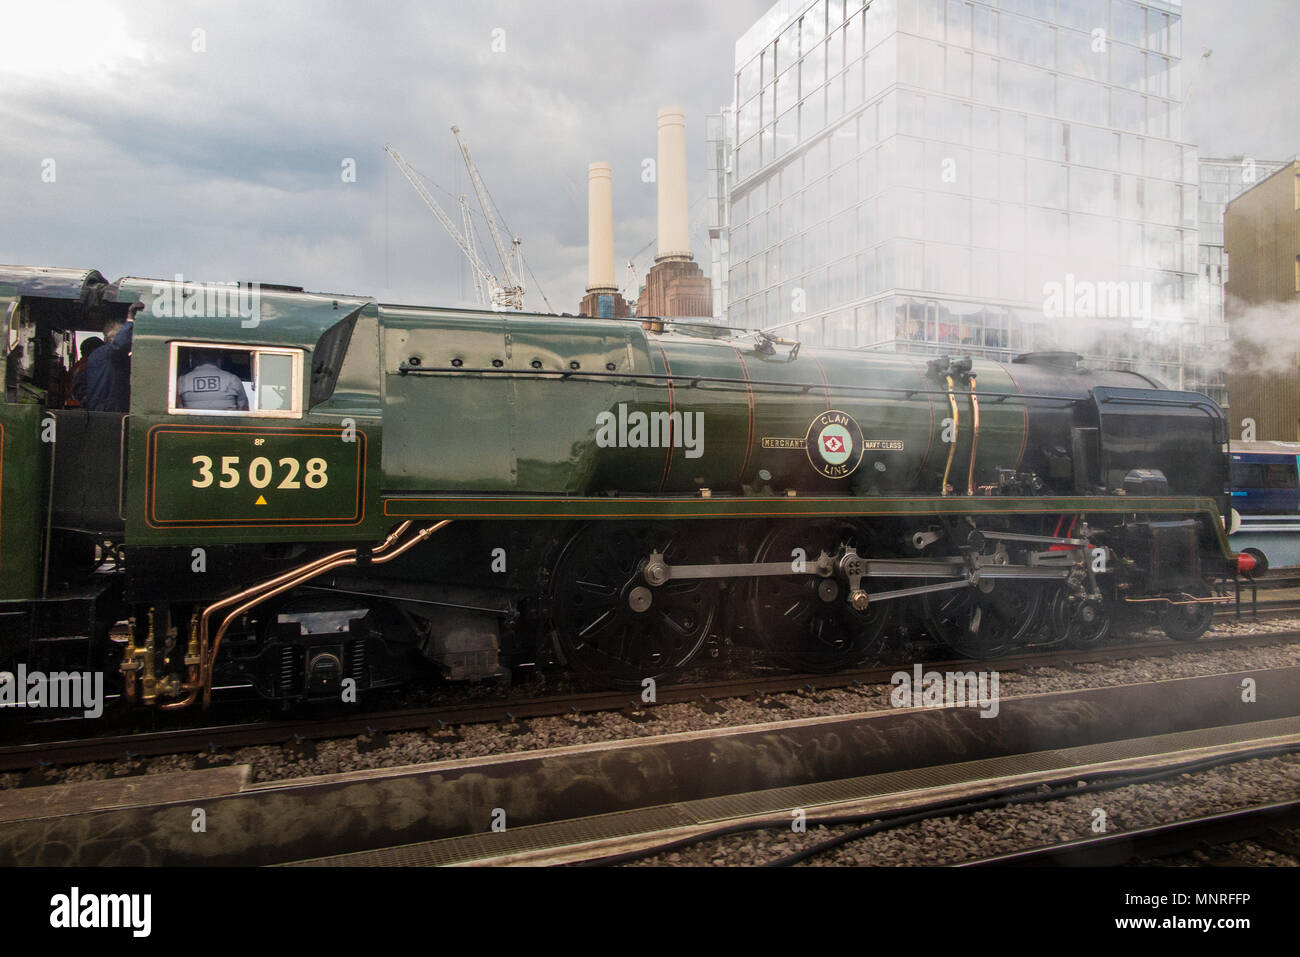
[{"x": 657, "y": 572}]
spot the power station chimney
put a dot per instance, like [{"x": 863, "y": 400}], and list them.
[
  {"x": 600, "y": 229},
  {"x": 675, "y": 285},
  {"x": 674, "y": 233},
  {"x": 603, "y": 300}
]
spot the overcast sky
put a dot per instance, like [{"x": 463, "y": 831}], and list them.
[{"x": 226, "y": 164}]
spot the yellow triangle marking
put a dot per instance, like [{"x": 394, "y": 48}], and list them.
[{"x": 261, "y": 500}]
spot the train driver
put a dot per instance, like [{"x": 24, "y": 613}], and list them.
[
  {"x": 208, "y": 386},
  {"x": 108, "y": 368}
]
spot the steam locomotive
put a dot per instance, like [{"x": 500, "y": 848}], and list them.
[{"x": 468, "y": 493}]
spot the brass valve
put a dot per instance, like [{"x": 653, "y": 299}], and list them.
[{"x": 131, "y": 662}]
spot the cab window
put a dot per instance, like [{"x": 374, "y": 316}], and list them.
[{"x": 216, "y": 379}]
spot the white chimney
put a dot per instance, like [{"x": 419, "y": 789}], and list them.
[
  {"x": 674, "y": 234},
  {"x": 600, "y": 229}
]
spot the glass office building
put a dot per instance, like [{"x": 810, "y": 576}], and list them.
[{"x": 944, "y": 175}]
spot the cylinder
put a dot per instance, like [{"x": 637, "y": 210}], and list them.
[
  {"x": 674, "y": 234},
  {"x": 600, "y": 229}
]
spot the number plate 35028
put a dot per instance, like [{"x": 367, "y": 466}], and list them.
[{"x": 213, "y": 476}]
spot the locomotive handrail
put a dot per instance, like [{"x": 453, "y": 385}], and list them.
[
  {"x": 1208, "y": 403},
  {"x": 565, "y": 374},
  {"x": 121, "y": 470},
  {"x": 975, "y": 432},
  {"x": 49, "y": 522}
]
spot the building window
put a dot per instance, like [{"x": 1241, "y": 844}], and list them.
[
  {"x": 219, "y": 379},
  {"x": 1128, "y": 22}
]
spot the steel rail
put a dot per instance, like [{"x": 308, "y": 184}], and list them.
[
  {"x": 995, "y": 794},
  {"x": 1160, "y": 840}
]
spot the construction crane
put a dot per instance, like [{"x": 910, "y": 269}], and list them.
[
  {"x": 502, "y": 295},
  {"x": 633, "y": 290},
  {"x": 514, "y": 287},
  {"x": 479, "y": 292}
]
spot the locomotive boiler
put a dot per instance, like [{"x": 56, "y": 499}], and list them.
[{"x": 468, "y": 493}]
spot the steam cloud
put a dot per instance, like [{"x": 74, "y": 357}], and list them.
[{"x": 1265, "y": 336}]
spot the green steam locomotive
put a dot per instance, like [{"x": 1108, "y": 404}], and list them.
[{"x": 403, "y": 490}]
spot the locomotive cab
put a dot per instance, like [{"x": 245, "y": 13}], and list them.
[
  {"x": 236, "y": 458},
  {"x": 56, "y": 445},
  {"x": 60, "y": 473}
]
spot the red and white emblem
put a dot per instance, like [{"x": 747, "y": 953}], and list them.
[{"x": 834, "y": 444}]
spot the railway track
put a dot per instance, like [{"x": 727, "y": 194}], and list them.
[
  {"x": 1159, "y": 841},
  {"x": 586, "y": 801},
  {"x": 1267, "y": 610},
  {"x": 911, "y": 798},
  {"x": 214, "y": 740},
  {"x": 1262, "y": 823},
  {"x": 1272, "y": 608}
]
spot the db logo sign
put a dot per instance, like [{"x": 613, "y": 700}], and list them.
[{"x": 834, "y": 444}]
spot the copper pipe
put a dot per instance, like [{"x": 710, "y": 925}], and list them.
[
  {"x": 1190, "y": 600},
  {"x": 204, "y": 623},
  {"x": 201, "y": 676},
  {"x": 193, "y": 679},
  {"x": 952, "y": 448},
  {"x": 205, "y": 619},
  {"x": 311, "y": 573},
  {"x": 184, "y": 702},
  {"x": 207, "y": 654},
  {"x": 975, "y": 433}
]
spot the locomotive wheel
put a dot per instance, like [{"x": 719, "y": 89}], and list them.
[
  {"x": 1188, "y": 622},
  {"x": 979, "y": 624},
  {"x": 607, "y": 620},
  {"x": 805, "y": 622},
  {"x": 1081, "y": 624}
]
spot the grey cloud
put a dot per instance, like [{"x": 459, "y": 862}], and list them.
[{"x": 226, "y": 164}]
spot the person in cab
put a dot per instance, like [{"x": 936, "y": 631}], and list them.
[
  {"x": 108, "y": 368},
  {"x": 76, "y": 397},
  {"x": 209, "y": 387}
]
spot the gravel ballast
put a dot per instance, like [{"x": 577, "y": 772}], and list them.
[{"x": 952, "y": 840}]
